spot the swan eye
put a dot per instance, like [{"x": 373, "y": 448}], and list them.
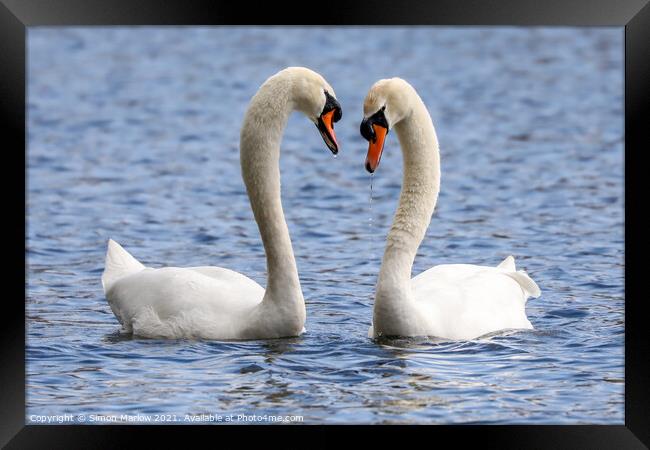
[{"x": 383, "y": 108}]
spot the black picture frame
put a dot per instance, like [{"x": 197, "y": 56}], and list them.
[{"x": 17, "y": 15}]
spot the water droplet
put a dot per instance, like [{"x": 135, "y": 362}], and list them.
[{"x": 372, "y": 254}]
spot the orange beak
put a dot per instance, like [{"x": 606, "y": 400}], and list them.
[
  {"x": 375, "y": 148},
  {"x": 326, "y": 128}
]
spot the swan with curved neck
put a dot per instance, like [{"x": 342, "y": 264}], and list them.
[
  {"x": 218, "y": 303},
  {"x": 453, "y": 301}
]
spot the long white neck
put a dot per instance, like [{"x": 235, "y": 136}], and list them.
[
  {"x": 420, "y": 188},
  {"x": 261, "y": 135}
]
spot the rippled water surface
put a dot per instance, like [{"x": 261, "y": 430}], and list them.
[{"x": 134, "y": 134}]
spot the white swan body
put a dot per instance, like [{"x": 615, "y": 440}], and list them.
[
  {"x": 218, "y": 303},
  {"x": 451, "y": 301}
]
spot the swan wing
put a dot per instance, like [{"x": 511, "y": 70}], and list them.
[
  {"x": 465, "y": 301},
  {"x": 461, "y": 275},
  {"x": 171, "y": 290},
  {"x": 173, "y": 302},
  {"x": 226, "y": 275}
]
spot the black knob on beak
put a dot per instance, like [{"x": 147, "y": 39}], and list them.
[{"x": 366, "y": 130}]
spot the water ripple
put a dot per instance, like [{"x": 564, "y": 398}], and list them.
[{"x": 133, "y": 134}]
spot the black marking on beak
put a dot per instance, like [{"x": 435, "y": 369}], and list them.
[
  {"x": 331, "y": 104},
  {"x": 366, "y": 129}
]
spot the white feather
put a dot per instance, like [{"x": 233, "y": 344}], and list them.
[
  {"x": 218, "y": 303},
  {"x": 452, "y": 301}
]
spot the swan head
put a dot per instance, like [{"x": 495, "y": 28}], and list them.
[
  {"x": 313, "y": 96},
  {"x": 387, "y": 103}
]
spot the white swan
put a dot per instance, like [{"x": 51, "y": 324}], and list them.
[
  {"x": 217, "y": 303},
  {"x": 452, "y": 301}
]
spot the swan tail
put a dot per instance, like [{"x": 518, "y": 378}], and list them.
[
  {"x": 508, "y": 264},
  {"x": 529, "y": 287},
  {"x": 527, "y": 284},
  {"x": 119, "y": 263}
]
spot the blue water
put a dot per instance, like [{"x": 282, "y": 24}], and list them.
[{"x": 134, "y": 133}]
